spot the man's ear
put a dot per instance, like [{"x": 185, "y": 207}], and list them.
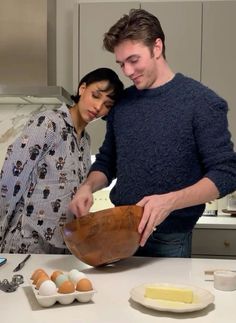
[{"x": 157, "y": 48}]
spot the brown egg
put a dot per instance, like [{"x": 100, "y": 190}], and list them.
[
  {"x": 40, "y": 275},
  {"x": 55, "y": 274},
  {"x": 84, "y": 285},
  {"x": 41, "y": 280},
  {"x": 35, "y": 273},
  {"x": 66, "y": 287}
]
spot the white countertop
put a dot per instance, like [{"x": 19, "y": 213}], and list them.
[
  {"x": 217, "y": 222},
  {"x": 111, "y": 303}
]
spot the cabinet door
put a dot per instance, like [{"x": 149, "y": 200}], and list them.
[
  {"x": 216, "y": 243},
  {"x": 219, "y": 52},
  {"x": 181, "y": 23},
  {"x": 95, "y": 19}
]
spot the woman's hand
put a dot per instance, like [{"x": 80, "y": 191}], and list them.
[
  {"x": 156, "y": 210},
  {"x": 82, "y": 201}
]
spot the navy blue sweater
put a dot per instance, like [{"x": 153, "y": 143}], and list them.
[{"x": 165, "y": 139}]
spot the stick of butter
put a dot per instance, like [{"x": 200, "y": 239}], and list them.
[{"x": 183, "y": 295}]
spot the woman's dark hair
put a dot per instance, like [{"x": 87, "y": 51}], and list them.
[{"x": 102, "y": 74}]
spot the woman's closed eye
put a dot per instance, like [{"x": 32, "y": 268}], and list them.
[
  {"x": 108, "y": 105},
  {"x": 96, "y": 95}
]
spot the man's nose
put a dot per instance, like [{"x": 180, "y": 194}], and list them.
[{"x": 128, "y": 70}]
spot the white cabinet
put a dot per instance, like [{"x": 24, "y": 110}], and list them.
[
  {"x": 215, "y": 237},
  {"x": 214, "y": 243},
  {"x": 219, "y": 52},
  {"x": 94, "y": 20},
  {"x": 181, "y": 23}
]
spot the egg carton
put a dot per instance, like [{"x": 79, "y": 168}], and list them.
[{"x": 64, "y": 299}]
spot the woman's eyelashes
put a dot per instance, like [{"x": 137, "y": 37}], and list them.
[{"x": 96, "y": 95}]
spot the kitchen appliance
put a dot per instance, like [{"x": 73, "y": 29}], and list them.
[{"x": 28, "y": 54}]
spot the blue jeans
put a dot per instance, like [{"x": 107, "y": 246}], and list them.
[{"x": 167, "y": 245}]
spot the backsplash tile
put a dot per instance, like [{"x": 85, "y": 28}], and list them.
[{"x": 12, "y": 120}]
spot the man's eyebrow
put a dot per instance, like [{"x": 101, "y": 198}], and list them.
[{"x": 129, "y": 57}]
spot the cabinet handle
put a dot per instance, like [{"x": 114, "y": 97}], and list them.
[{"x": 226, "y": 243}]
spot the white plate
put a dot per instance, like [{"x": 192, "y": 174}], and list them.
[{"x": 201, "y": 299}]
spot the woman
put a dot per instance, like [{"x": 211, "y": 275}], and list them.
[{"x": 44, "y": 167}]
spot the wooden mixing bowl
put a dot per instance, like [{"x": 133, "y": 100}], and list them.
[{"x": 106, "y": 236}]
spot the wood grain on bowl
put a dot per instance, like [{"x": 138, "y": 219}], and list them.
[{"x": 105, "y": 236}]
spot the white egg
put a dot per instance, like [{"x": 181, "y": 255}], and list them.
[
  {"x": 75, "y": 275},
  {"x": 47, "y": 288}
]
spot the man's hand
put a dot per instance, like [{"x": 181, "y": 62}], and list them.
[
  {"x": 158, "y": 207},
  {"x": 82, "y": 201},
  {"x": 156, "y": 210}
]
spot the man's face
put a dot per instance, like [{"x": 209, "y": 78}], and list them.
[{"x": 138, "y": 63}]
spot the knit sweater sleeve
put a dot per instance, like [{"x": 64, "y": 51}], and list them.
[
  {"x": 214, "y": 142},
  {"x": 106, "y": 158}
]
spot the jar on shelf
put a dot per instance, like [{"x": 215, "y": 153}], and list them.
[{"x": 231, "y": 205}]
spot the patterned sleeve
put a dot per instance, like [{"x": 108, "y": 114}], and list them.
[{"x": 22, "y": 158}]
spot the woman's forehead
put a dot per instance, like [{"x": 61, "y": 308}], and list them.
[{"x": 102, "y": 85}]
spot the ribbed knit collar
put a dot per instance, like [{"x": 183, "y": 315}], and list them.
[{"x": 158, "y": 90}]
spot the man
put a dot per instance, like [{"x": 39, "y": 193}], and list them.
[{"x": 167, "y": 142}]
